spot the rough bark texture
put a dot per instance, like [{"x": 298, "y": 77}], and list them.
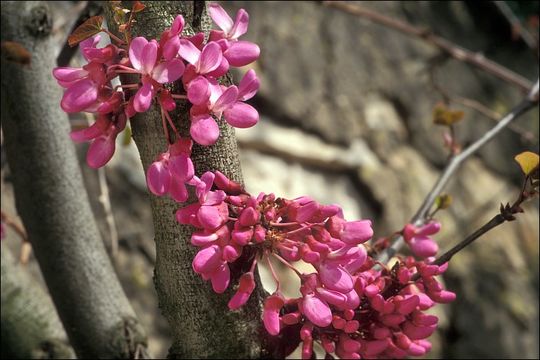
[
  {"x": 30, "y": 325},
  {"x": 51, "y": 199},
  {"x": 202, "y": 324}
]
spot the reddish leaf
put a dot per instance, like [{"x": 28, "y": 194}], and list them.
[
  {"x": 13, "y": 51},
  {"x": 137, "y": 7},
  {"x": 87, "y": 29}
]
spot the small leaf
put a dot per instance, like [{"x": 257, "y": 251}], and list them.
[
  {"x": 443, "y": 201},
  {"x": 14, "y": 51},
  {"x": 138, "y": 7},
  {"x": 444, "y": 116},
  {"x": 86, "y": 30},
  {"x": 126, "y": 139},
  {"x": 528, "y": 161}
]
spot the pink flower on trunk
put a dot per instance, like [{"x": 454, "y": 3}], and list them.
[
  {"x": 143, "y": 55},
  {"x": 210, "y": 97},
  {"x": 170, "y": 172},
  {"x": 237, "y": 53}
]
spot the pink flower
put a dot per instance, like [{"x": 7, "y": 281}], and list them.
[
  {"x": 143, "y": 55},
  {"x": 210, "y": 97},
  {"x": 170, "y": 41},
  {"x": 103, "y": 135},
  {"x": 83, "y": 86},
  {"x": 418, "y": 238},
  {"x": 237, "y": 53},
  {"x": 203, "y": 62},
  {"x": 272, "y": 307},
  {"x": 170, "y": 172},
  {"x": 245, "y": 288}
]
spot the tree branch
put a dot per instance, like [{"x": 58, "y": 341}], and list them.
[
  {"x": 530, "y": 101},
  {"x": 51, "y": 198},
  {"x": 457, "y": 52},
  {"x": 201, "y": 323},
  {"x": 30, "y": 325}
]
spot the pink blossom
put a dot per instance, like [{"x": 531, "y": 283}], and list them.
[
  {"x": 102, "y": 135},
  {"x": 143, "y": 55},
  {"x": 237, "y": 53},
  {"x": 170, "y": 172},
  {"x": 421, "y": 243}
]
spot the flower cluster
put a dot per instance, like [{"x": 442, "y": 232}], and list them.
[
  {"x": 349, "y": 307},
  {"x": 197, "y": 63}
]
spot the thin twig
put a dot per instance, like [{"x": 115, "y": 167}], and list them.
[
  {"x": 530, "y": 101},
  {"x": 455, "y": 51},
  {"x": 477, "y": 106},
  {"x": 517, "y": 27}
]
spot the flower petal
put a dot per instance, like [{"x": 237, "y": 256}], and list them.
[
  {"x": 226, "y": 99},
  {"x": 178, "y": 190},
  {"x": 69, "y": 74},
  {"x": 181, "y": 167},
  {"x": 168, "y": 71},
  {"x": 317, "y": 310},
  {"x": 79, "y": 96},
  {"x": 241, "y": 115},
  {"x": 334, "y": 277},
  {"x": 158, "y": 178},
  {"x": 221, "y": 278},
  {"x": 240, "y": 26},
  {"x": 204, "y": 130},
  {"x": 210, "y": 58},
  {"x": 100, "y": 151},
  {"x": 198, "y": 90},
  {"x": 220, "y": 17},
  {"x": 171, "y": 47},
  {"x": 241, "y": 53},
  {"x": 207, "y": 260},
  {"x": 248, "y": 87},
  {"x": 143, "y": 98},
  {"x": 149, "y": 56},
  {"x": 189, "y": 52},
  {"x": 356, "y": 232},
  {"x": 136, "y": 50}
]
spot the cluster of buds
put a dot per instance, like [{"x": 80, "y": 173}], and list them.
[
  {"x": 153, "y": 65},
  {"x": 347, "y": 306}
]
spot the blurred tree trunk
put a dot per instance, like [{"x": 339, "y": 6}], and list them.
[
  {"x": 30, "y": 325},
  {"x": 51, "y": 198},
  {"x": 201, "y": 322}
]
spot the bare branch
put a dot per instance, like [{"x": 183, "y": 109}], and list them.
[
  {"x": 453, "y": 50},
  {"x": 516, "y": 25},
  {"x": 530, "y": 101}
]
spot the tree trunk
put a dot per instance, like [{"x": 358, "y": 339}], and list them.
[
  {"x": 31, "y": 328},
  {"x": 51, "y": 198},
  {"x": 201, "y": 322}
]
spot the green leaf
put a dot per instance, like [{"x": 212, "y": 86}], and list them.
[
  {"x": 528, "y": 161},
  {"x": 86, "y": 30},
  {"x": 444, "y": 116},
  {"x": 443, "y": 201},
  {"x": 126, "y": 139}
]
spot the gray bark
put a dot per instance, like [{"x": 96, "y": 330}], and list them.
[
  {"x": 51, "y": 198},
  {"x": 30, "y": 325},
  {"x": 201, "y": 323}
]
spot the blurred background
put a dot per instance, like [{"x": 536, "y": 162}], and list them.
[{"x": 346, "y": 117}]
